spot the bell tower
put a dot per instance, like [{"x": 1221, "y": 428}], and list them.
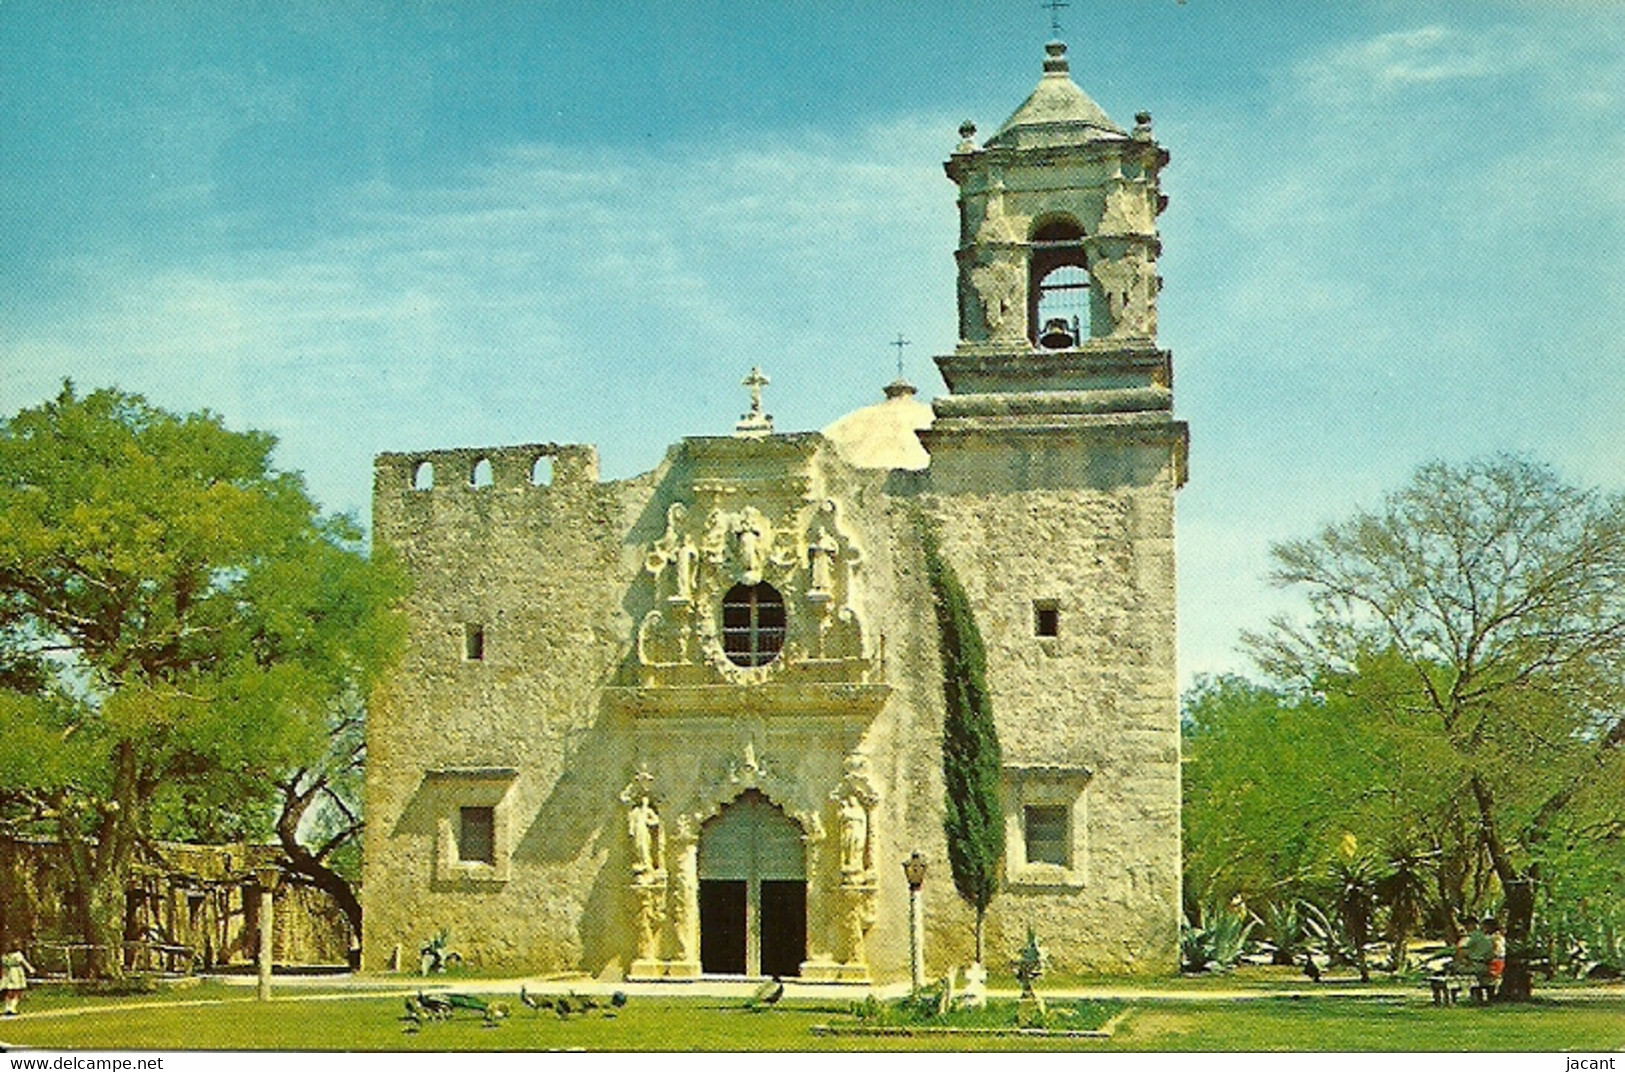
[
  {"x": 1054, "y": 461},
  {"x": 1057, "y": 263}
]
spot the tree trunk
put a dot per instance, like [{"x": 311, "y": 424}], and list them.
[
  {"x": 1517, "y": 984},
  {"x": 981, "y": 916},
  {"x": 1519, "y": 891},
  {"x": 99, "y": 910},
  {"x": 304, "y": 862}
]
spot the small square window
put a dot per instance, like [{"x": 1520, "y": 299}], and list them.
[
  {"x": 476, "y": 835},
  {"x": 1046, "y": 618},
  {"x": 473, "y": 642},
  {"x": 1048, "y": 834}
]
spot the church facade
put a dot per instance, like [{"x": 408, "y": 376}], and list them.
[{"x": 691, "y": 722}]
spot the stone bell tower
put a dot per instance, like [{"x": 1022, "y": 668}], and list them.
[{"x": 1055, "y": 457}]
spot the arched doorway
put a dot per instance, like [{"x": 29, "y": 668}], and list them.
[{"x": 753, "y": 890}]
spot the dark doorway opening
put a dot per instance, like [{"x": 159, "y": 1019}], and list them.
[
  {"x": 722, "y": 926},
  {"x": 784, "y": 927}
]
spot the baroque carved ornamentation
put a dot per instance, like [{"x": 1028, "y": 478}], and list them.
[
  {"x": 1128, "y": 284},
  {"x": 1000, "y": 285},
  {"x": 800, "y": 548}
]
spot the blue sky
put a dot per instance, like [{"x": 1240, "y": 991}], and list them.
[{"x": 1396, "y": 230}]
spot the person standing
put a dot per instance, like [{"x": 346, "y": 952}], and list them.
[
  {"x": 14, "y": 969},
  {"x": 1498, "y": 955}
]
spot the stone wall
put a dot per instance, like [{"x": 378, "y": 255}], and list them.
[
  {"x": 1088, "y": 718},
  {"x": 541, "y": 571},
  {"x": 563, "y": 709},
  {"x": 199, "y": 897}
]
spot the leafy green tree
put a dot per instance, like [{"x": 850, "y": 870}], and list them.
[
  {"x": 973, "y": 818},
  {"x": 1487, "y": 603},
  {"x": 178, "y": 623},
  {"x": 1257, "y": 792}
]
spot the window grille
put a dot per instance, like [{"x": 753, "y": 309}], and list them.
[{"x": 752, "y": 624}]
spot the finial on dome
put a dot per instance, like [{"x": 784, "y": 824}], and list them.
[{"x": 1055, "y": 58}]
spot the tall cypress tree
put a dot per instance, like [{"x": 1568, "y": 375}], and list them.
[{"x": 972, "y": 814}]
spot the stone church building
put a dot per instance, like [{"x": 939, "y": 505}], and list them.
[{"x": 691, "y": 722}]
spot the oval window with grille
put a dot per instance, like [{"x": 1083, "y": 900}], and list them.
[{"x": 752, "y": 624}]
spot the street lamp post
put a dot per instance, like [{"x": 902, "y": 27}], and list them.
[{"x": 914, "y": 871}]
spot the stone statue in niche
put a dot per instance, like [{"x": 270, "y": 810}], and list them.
[
  {"x": 675, "y": 551},
  {"x": 854, "y": 834},
  {"x": 686, "y": 565},
  {"x": 751, "y": 534},
  {"x": 643, "y": 825},
  {"x": 821, "y": 552}
]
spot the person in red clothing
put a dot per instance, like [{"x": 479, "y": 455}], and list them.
[{"x": 1498, "y": 953}]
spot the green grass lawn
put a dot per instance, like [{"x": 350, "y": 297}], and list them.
[{"x": 228, "y": 1018}]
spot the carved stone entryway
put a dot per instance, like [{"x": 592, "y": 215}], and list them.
[{"x": 753, "y": 890}]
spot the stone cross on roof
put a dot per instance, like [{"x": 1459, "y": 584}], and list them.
[{"x": 755, "y": 423}]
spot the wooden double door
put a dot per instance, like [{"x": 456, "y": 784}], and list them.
[{"x": 753, "y": 890}]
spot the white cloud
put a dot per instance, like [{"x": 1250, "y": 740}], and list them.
[{"x": 552, "y": 293}]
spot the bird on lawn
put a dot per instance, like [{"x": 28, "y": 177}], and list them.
[
  {"x": 414, "y": 1016},
  {"x": 1310, "y": 968},
  {"x": 618, "y": 999},
  {"x": 534, "y": 1004},
  {"x": 435, "y": 1005},
  {"x": 561, "y": 1005},
  {"x": 766, "y": 995},
  {"x": 495, "y": 1012},
  {"x": 584, "y": 1002},
  {"x": 466, "y": 1001}
]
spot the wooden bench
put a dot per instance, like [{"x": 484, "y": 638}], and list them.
[{"x": 1446, "y": 988}]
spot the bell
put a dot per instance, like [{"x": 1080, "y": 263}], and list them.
[{"x": 1057, "y": 334}]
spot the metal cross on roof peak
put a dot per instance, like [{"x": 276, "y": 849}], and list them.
[
  {"x": 1055, "y": 8},
  {"x": 900, "y": 342}
]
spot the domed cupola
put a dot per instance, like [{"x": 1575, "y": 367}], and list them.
[{"x": 1057, "y": 112}]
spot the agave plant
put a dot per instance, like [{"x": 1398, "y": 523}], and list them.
[
  {"x": 1285, "y": 927},
  {"x": 1215, "y": 939}
]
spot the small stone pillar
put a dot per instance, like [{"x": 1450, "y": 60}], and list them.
[
  {"x": 685, "y": 901},
  {"x": 265, "y": 879},
  {"x": 649, "y": 902}
]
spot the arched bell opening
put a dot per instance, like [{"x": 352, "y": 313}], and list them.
[
  {"x": 753, "y": 890},
  {"x": 1058, "y": 304}
]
